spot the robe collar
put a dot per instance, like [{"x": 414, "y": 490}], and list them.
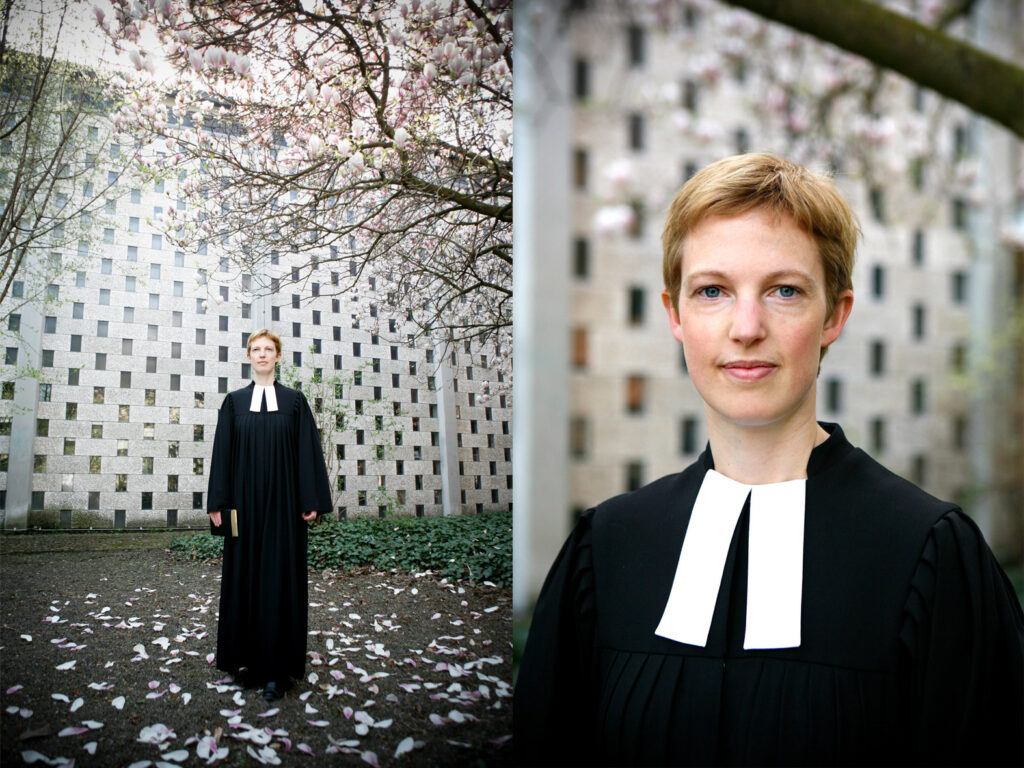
[
  {"x": 775, "y": 559},
  {"x": 258, "y": 392}
]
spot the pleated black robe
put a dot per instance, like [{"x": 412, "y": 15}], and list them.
[
  {"x": 912, "y": 640},
  {"x": 270, "y": 467}
]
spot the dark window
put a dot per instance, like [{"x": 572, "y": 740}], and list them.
[
  {"x": 636, "y": 305},
  {"x": 690, "y": 92},
  {"x": 634, "y": 475},
  {"x": 877, "y": 357},
  {"x": 918, "y": 319},
  {"x": 918, "y": 469},
  {"x": 917, "y": 169},
  {"x": 581, "y": 257},
  {"x": 961, "y": 141},
  {"x": 635, "y": 386},
  {"x": 959, "y": 287},
  {"x": 636, "y": 131},
  {"x": 688, "y": 435},
  {"x": 579, "y": 168},
  {"x": 636, "y": 227},
  {"x": 876, "y": 196},
  {"x": 960, "y": 426},
  {"x": 917, "y": 249},
  {"x": 833, "y": 395},
  {"x": 959, "y": 215},
  {"x": 958, "y": 358},
  {"x": 742, "y": 140},
  {"x": 636, "y": 41},
  {"x": 877, "y": 435},
  {"x": 579, "y": 347},
  {"x": 917, "y": 396},
  {"x": 581, "y": 79},
  {"x": 878, "y": 281}
]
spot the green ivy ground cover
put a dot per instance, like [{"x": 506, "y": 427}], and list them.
[{"x": 475, "y": 547}]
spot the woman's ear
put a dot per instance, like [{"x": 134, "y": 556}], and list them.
[
  {"x": 840, "y": 314},
  {"x": 673, "y": 315}
]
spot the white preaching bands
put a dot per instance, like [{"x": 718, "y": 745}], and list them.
[
  {"x": 257, "y": 398},
  {"x": 775, "y": 562}
]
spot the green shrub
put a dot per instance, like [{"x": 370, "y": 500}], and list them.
[
  {"x": 200, "y": 546},
  {"x": 475, "y": 547}
]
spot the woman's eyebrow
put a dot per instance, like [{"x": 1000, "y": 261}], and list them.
[
  {"x": 779, "y": 274},
  {"x": 790, "y": 274},
  {"x": 705, "y": 274}
]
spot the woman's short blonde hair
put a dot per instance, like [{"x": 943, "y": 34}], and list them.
[
  {"x": 742, "y": 183},
  {"x": 263, "y": 332}
]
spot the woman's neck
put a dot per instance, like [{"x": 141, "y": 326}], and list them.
[
  {"x": 263, "y": 379},
  {"x": 769, "y": 454}
]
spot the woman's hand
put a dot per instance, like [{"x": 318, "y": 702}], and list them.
[
  {"x": 215, "y": 518},
  {"x": 309, "y": 516}
]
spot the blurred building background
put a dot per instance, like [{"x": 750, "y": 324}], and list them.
[{"x": 631, "y": 99}]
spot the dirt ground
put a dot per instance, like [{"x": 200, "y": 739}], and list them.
[{"x": 106, "y": 645}]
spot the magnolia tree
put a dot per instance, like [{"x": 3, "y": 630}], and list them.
[
  {"x": 62, "y": 164},
  {"x": 816, "y": 104},
  {"x": 370, "y": 138}
]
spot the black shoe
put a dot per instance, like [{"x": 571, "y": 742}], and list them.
[
  {"x": 246, "y": 679},
  {"x": 272, "y": 691}
]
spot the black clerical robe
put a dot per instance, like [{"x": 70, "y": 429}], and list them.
[
  {"x": 270, "y": 467},
  {"x": 911, "y": 649}
]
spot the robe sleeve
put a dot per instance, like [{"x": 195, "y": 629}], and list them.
[
  {"x": 220, "y": 491},
  {"x": 314, "y": 490},
  {"x": 554, "y": 703},
  {"x": 964, "y": 632}
]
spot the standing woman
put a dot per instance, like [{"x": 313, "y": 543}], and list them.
[
  {"x": 785, "y": 600},
  {"x": 268, "y": 480}
]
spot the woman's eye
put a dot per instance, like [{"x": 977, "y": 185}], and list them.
[{"x": 710, "y": 291}]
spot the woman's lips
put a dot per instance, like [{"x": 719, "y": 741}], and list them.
[{"x": 749, "y": 370}]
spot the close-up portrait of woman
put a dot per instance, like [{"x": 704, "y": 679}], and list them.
[{"x": 785, "y": 599}]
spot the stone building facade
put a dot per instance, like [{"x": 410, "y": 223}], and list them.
[
  {"x": 139, "y": 341},
  {"x": 927, "y": 375}
]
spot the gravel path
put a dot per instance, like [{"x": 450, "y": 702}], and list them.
[{"x": 105, "y": 652}]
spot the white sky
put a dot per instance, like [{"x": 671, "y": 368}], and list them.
[{"x": 81, "y": 41}]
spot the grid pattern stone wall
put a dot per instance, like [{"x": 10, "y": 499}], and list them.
[{"x": 137, "y": 349}]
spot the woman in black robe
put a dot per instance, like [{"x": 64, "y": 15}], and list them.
[
  {"x": 785, "y": 600},
  {"x": 268, "y": 466}
]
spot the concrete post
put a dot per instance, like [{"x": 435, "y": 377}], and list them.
[
  {"x": 542, "y": 237},
  {"x": 451, "y": 490}
]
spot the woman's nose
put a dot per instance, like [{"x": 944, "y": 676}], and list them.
[{"x": 747, "y": 322}]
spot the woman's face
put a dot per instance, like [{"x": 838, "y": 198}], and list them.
[
  {"x": 263, "y": 354},
  {"x": 751, "y": 317}
]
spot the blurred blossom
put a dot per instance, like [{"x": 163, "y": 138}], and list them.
[
  {"x": 621, "y": 175},
  {"x": 614, "y": 219}
]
